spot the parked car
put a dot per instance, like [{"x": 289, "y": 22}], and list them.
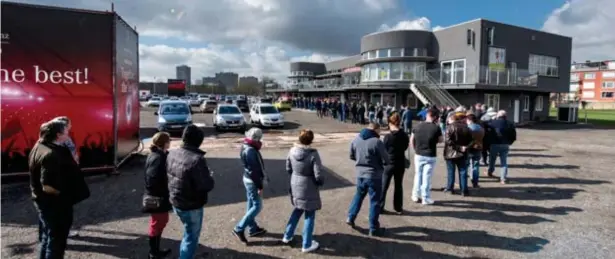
[
  {"x": 229, "y": 117},
  {"x": 185, "y": 99},
  {"x": 194, "y": 101},
  {"x": 202, "y": 98},
  {"x": 154, "y": 102},
  {"x": 266, "y": 115},
  {"x": 242, "y": 104},
  {"x": 208, "y": 106},
  {"x": 283, "y": 105},
  {"x": 173, "y": 116}
]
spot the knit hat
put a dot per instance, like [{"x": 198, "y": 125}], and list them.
[
  {"x": 255, "y": 134},
  {"x": 193, "y": 136}
]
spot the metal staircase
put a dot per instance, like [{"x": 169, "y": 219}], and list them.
[{"x": 429, "y": 91}]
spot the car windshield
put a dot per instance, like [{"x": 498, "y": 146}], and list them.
[
  {"x": 211, "y": 103},
  {"x": 240, "y": 102},
  {"x": 269, "y": 110},
  {"x": 174, "y": 109},
  {"x": 155, "y": 99},
  {"x": 228, "y": 110}
]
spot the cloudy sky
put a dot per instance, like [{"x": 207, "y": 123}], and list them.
[{"x": 261, "y": 37}]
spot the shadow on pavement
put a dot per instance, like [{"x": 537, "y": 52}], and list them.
[
  {"x": 555, "y": 181},
  {"x": 535, "y": 193},
  {"x": 527, "y": 150},
  {"x": 494, "y": 216},
  {"x": 358, "y": 246},
  {"x": 465, "y": 204},
  {"x": 468, "y": 238},
  {"x": 542, "y": 166},
  {"x": 512, "y": 154},
  {"x": 119, "y": 197}
]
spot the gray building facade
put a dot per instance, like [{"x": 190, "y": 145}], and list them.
[
  {"x": 480, "y": 61},
  {"x": 185, "y": 73},
  {"x": 248, "y": 80},
  {"x": 230, "y": 80}
]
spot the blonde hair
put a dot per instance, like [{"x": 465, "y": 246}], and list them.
[{"x": 160, "y": 139}]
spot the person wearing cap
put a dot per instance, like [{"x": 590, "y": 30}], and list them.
[
  {"x": 254, "y": 179},
  {"x": 504, "y": 135},
  {"x": 456, "y": 142},
  {"x": 189, "y": 182}
]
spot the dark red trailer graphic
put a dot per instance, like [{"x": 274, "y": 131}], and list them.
[
  {"x": 61, "y": 64},
  {"x": 177, "y": 87}
]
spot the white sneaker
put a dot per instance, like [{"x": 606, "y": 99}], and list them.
[
  {"x": 416, "y": 199},
  {"x": 427, "y": 201},
  {"x": 286, "y": 241},
  {"x": 312, "y": 248}
]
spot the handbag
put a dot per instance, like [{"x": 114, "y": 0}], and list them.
[{"x": 151, "y": 203}]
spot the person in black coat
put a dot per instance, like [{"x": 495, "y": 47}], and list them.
[
  {"x": 396, "y": 144},
  {"x": 156, "y": 199}
]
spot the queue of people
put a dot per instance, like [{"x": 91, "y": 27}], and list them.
[{"x": 179, "y": 180}]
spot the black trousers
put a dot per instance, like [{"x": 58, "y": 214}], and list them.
[
  {"x": 55, "y": 221},
  {"x": 395, "y": 173}
]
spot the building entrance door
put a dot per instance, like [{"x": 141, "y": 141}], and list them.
[{"x": 517, "y": 111}]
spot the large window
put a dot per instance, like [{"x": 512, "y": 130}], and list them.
[
  {"x": 526, "y": 103},
  {"x": 539, "y": 103},
  {"x": 453, "y": 72},
  {"x": 382, "y": 98},
  {"x": 383, "y": 71},
  {"x": 393, "y": 71},
  {"x": 607, "y": 94},
  {"x": 608, "y": 84},
  {"x": 492, "y": 101},
  {"x": 543, "y": 65},
  {"x": 608, "y": 74},
  {"x": 589, "y": 76},
  {"x": 394, "y": 52}
]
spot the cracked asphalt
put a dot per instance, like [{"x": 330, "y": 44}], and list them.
[{"x": 559, "y": 204}]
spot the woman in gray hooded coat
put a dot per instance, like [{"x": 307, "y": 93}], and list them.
[{"x": 304, "y": 166}]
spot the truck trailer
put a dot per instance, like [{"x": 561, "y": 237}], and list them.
[{"x": 83, "y": 64}]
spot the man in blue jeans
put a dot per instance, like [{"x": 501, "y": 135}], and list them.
[
  {"x": 474, "y": 150},
  {"x": 504, "y": 135},
  {"x": 189, "y": 183},
  {"x": 456, "y": 141},
  {"x": 253, "y": 180},
  {"x": 370, "y": 157}
]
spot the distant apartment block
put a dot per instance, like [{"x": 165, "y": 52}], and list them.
[
  {"x": 248, "y": 80},
  {"x": 594, "y": 82},
  {"x": 230, "y": 80},
  {"x": 185, "y": 73}
]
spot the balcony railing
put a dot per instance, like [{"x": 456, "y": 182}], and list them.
[{"x": 485, "y": 75}]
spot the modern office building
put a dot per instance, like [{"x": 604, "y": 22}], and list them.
[
  {"x": 185, "y": 73},
  {"x": 594, "y": 83},
  {"x": 229, "y": 79},
  {"x": 481, "y": 61},
  {"x": 154, "y": 87},
  {"x": 248, "y": 80}
]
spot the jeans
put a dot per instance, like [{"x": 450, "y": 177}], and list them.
[
  {"x": 424, "y": 166},
  {"x": 253, "y": 208},
  {"x": 372, "y": 117},
  {"x": 499, "y": 150},
  {"x": 474, "y": 161},
  {"x": 374, "y": 188},
  {"x": 396, "y": 173},
  {"x": 55, "y": 220},
  {"x": 193, "y": 222},
  {"x": 461, "y": 165},
  {"x": 308, "y": 226},
  {"x": 443, "y": 128}
]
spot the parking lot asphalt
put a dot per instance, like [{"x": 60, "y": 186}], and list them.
[
  {"x": 559, "y": 204},
  {"x": 295, "y": 120}
]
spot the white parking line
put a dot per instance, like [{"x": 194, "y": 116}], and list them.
[{"x": 200, "y": 124}]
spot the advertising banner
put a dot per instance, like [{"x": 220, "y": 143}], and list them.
[
  {"x": 176, "y": 87},
  {"x": 126, "y": 89},
  {"x": 58, "y": 64},
  {"x": 497, "y": 59}
]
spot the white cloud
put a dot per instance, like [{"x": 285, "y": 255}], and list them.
[
  {"x": 590, "y": 24},
  {"x": 421, "y": 23},
  {"x": 250, "y": 37}
]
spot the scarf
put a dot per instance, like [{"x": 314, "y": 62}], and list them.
[{"x": 254, "y": 143}]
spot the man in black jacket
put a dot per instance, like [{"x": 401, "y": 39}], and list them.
[
  {"x": 189, "y": 183},
  {"x": 504, "y": 135},
  {"x": 57, "y": 184}
]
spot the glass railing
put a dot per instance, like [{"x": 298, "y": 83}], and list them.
[{"x": 485, "y": 75}]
